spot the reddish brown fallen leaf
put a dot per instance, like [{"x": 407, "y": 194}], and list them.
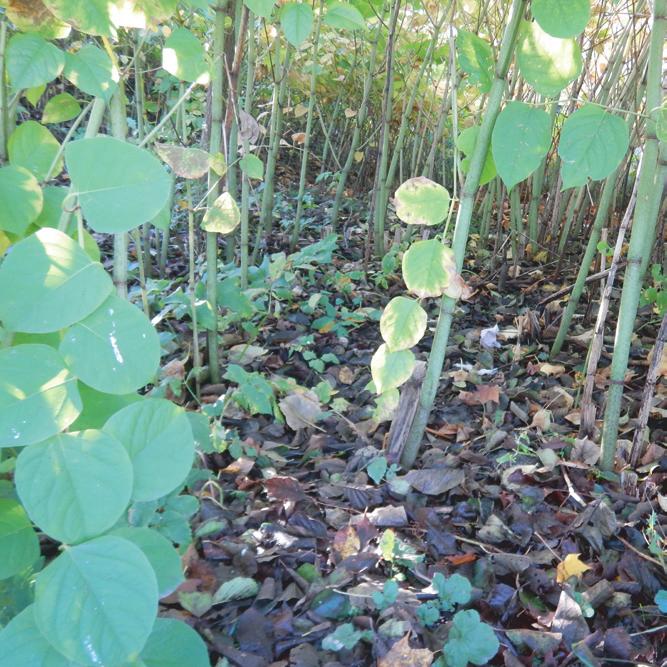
[
  {"x": 462, "y": 559},
  {"x": 284, "y": 488},
  {"x": 484, "y": 393},
  {"x": 402, "y": 655}
]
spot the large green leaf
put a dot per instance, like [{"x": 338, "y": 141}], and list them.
[
  {"x": 158, "y": 438},
  {"x": 162, "y": 556},
  {"x": 184, "y": 57},
  {"x": 470, "y": 640},
  {"x": 89, "y": 16},
  {"x": 403, "y": 323},
  {"x": 592, "y": 144},
  {"x": 391, "y": 369},
  {"x": 521, "y": 138},
  {"x": 96, "y": 603},
  {"x": 48, "y": 283},
  {"x": 19, "y": 546},
  {"x": 32, "y": 61},
  {"x": 21, "y": 198},
  {"x": 428, "y": 267},
  {"x": 252, "y": 166},
  {"x": 561, "y": 18},
  {"x": 547, "y": 63},
  {"x": 61, "y": 108},
  {"x": 344, "y": 16},
  {"x": 21, "y": 643},
  {"x": 141, "y": 14},
  {"x": 420, "y": 201},
  {"x": 223, "y": 217},
  {"x": 75, "y": 486},
  {"x": 476, "y": 58},
  {"x": 34, "y": 148},
  {"x": 115, "y": 349},
  {"x": 90, "y": 69},
  {"x": 297, "y": 22},
  {"x": 174, "y": 644},
  {"x": 466, "y": 144},
  {"x": 98, "y": 406},
  {"x": 38, "y": 395},
  {"x": 119, "y": 185},
  {"x": 263, "y": 8}
]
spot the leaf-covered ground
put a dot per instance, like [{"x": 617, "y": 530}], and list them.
[{"x": 313, "y": 550}]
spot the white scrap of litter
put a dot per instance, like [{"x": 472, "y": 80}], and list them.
[{"x": 488, "y": 337}]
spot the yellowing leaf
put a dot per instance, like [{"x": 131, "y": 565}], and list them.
[
  {"x": 350, "y": 113},
  {"x": 551, "y": 369},
  {"x": 570, "y": 567},
  {"x": 300, "y": 110},
  {"x": 358, "y": 156}
]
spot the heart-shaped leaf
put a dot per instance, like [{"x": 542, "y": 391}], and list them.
[
  {"x": 428, "y": 267},
  {"x": 19, "y": 546},
  {"x": 420, "y": 201},
  {"x": 75, "y": 486},
  {"x": 391, "y": 369},
  {"x": 561, "y": 18},
  {"x": 403, "y": 323},
  {"x": 21, "y": 198},
  {"x": 32, "y": 61}
]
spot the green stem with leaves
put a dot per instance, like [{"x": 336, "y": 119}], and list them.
[
  {"x": 461, "y": 231},
  {"x": 649, "y": 198},
  {"x": 296, "y": 230},
  {"x": 215, "y": 144}
]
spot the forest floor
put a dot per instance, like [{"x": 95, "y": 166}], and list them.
[{"x": 562, "y": 558}]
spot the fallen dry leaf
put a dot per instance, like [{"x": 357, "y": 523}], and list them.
[
  {"x": 571, "y": 566},
  {"x": 402, "y": 655}
]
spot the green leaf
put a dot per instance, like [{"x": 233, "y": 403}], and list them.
[
  {"x": 344, "y": 16},
  {"x": 49, "y": 283},
  {"x": 238, "y": 588},
  {"x": 223, "y": 217},
  {"x": 465, "y": 142},
  {"x": 162, "y": 556},
  {"x": 562, "y": 18},
  {"x": 157, "y": 436},
  {"x": 21, "y": 643},
  {"x": 297, "y": 22},
  {"x": 403, "y": 323},
  {"x": 32, "y": 61},
  {"x": 521, "y": 138},
  {"x": 91, "y": 16},
  {"x": 184, "y": 57},
  {"x": 391, "y": 369},
  {"x": 254, "y": 394},
  {"x": 74, "y": 486},
  {"x": 174, "y": 644},
  {"x": 21, "y": 198},
  {"x": 420, "y": 201},
  {"x": 96, "y": 603},
  {"x": 661, "y": 601},
  {"x": 263, "y": 8},
  {"x": 470, "y": 640},
  {"x": 115, "y": 349},
  {"x": 34, "y": 148},
  {"x": 377, "y": 468},
  {"x": 592, "y": 144},
  {"x": 476, "y": 58},
  {"x": 61, "y": 108},
  {"x": 98, "y": 406},
  {"x": 252, "y": 166},
  {"x": 38, "y": 395},
  {"x": 547, "y": 63},
  {"x": 343, "y": 637},
  {"x": 452, "y": 590},
  {"x": 34, "y": 95},
  {"x": 428, "y": 267},
  {"x": 19, "y": 546},
  {"x": 52, "y": 208},
  {"x": 90, "y": 69},
  {"x": 119, "y": 185}
]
